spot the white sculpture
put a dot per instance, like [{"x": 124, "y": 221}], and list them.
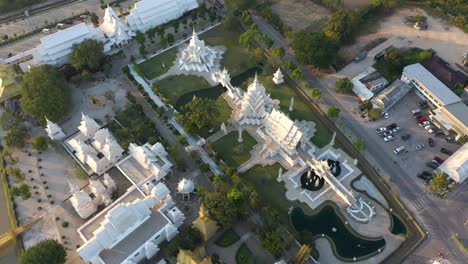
[
  {"x": 117, "y": 31},
  {"x": 186, "y": 186},
  {"x": 197, "y": 56},
  {"x": 278, "y": 77},
  {"x": 54, "y": 131},
  {"x": 223, "y": 128},
  {"x": 239, "y": 139},
  {"x": 291, "y": 104}
]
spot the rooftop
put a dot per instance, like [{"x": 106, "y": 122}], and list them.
[
  {"x": 456, "y": 166},
  {"x": 459, "y": 110},
  {"x": 65, "y": 35},
  {"x": 445, "y": 73},
  {"x": 430, "y": 82},
  {"x": 135, "y": 239}
]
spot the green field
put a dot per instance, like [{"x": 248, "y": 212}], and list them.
[
  {"x": 153, "y": 67},
  {"x": 233, "y": 152},
  {"x": 244, "y": 256},
  {"x": 175, "y": 86}
]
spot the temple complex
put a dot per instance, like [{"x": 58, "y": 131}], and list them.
[{"x": 198, "y": 57}]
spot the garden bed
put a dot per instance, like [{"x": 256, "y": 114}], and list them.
[
  {"x": 228, "y": 238},
  {"x": 233, "y": 152}
]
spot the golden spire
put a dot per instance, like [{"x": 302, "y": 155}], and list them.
[
  {"x": 202, "y": 213},
  {"x": 303, "y": 254}
]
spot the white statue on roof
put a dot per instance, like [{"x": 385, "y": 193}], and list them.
[
  {"x": 115, "y": 29},
  {"x": 255, "y": 104},
  {"x": 54, "y": 131},
  {"x": 197, "y": 56},
  {"x": 84, "y": 205},
  {"x": 278, "y": 77},
  {"x": 88, "y": 126},
  {"x": 109, "y": 182},
  {"x": 100, "y": 191}
]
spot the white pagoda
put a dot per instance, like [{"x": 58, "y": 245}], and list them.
[
  {"x": 94, "y": 147},
  {"x": 255, "y": 104},
  {"x": 116, "y": 30},
  {"x": 186, "y": 187},
  {"x": 197, "y": 56},
  {"x": 54, "y": 131},
  {"x": 283, "y": 131},
  {"x": 84, "y": 205},
  {"x": 278, "y": 77}
]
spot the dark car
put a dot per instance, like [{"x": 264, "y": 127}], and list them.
[
  {"x": 431, "y": 142},
  {"x": 405, "y": 136},
  {"x": 438, "y": 160},
  {"x": 391, "y": 126},
  {"x": 417, "y": 115},
  {"x": 432, "y": 165},
  {"x": 426, "y": 173},
  {"x": 446, "y": 151}
]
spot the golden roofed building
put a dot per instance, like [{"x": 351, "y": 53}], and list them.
[
  {"x": 204, "y": 224},
  {"x": 303, "y": 254},
  {"x": 197, "y": 256}
]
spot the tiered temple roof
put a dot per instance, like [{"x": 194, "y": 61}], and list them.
[
  {"x": 255, "y": 104},
  {"x": 283, "y": 130},
  {"x": 115, "y": 29},
  {"x": 197, "y": 56}
]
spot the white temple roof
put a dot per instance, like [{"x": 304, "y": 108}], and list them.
[
  {"x": 256, "y": 103},
  {"x": 88, "y": 126},
  {"x": 186, "y": 186},
  {"x": 283, "y": 130}
]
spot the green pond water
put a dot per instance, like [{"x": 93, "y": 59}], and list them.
[
  {"x": 347, "y": 244},
  {"x": 214, "y": 92},
  {"x": 398, "y": 227}
]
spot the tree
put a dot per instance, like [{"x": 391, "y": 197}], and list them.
[
  {"x": 197, "y": 114},
  {"x": 140, "y": 37},
  {"x": 45, "y": 94},
  {"x": 360, "y": 144},
  {"x": 272, "y": 243},
  {"x": 314, "y": 48},
  {"x": 375, "y": 113},
  {"x": 240, "y": 5},
  {"x": 94, "y": 19},
  {"x": 220, "y": 208},
  {"x": 235, "y": 195},
  {"x": 439, "y": 183},
  {"x": 40, "y": 143},
  {"x": 47, "y": 251},
  {"x": 340, "y": 27},
  {"x": 316, "y": 93},
  {"x": 88, "y": 55},
  {"x": 333, "y": 112},
  {"x": 424, "y": 55},
  {"x": 10, "y": 120},
  {"x": 170, "y": 38},
  {"x": 278, "y": 51},
  {"x": 463, "y": 139},
  {"x": 344, "y": 85},
  {"x": 16, "y": 137},
  {"x": 24, "y": 191},
  {"x": 246, "y": 39},
  {"x": 297, "y": 74}
]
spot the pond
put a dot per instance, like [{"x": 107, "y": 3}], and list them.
[
  {"x": 215, "y": 91},
  {"x": 347, "y": 244},
  {"x": 398, "y": 227}
]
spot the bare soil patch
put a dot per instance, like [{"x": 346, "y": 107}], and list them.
[{"x": 301, "y": 14}]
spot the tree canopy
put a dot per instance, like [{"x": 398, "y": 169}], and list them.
[
  {"x": 197, "y": 114},
  {"x": 341, "y": 27},
  {"x": 360, "y": 144},
  {"x": 40, "y": 143},
  {"x": 344, "y": 85},
  {"x": 439, "y": 183},
  {"x": 333, "y": 112},
  {"x": 88, "y": 55},
  {"x": 45, "y": 93},
  {"x": 240, "y": 5},
  {"x": 314, "y": 48},
  {"x": 316, "y": 93},
  {"x": 47, "y": 251}
]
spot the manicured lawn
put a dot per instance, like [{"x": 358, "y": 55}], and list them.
[
  {"x": 224, "y": 113},
  {"x": 244, "y": 256},
  {"x": 175, "y": 86},
  {"x": 233, "y": 152},
  {"x": 236, "y": 58},
  {"x": 153, "y": 67},
  {"x": 228, "y": 238}
]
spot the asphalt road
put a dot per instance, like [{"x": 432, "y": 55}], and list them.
[{"x": 440, "y": 229}]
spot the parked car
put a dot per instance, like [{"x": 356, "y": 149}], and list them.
[
  {"x": 439, "y": 160},
  {"x": 388, "y": 138},
  {"x": 428, "y": 127},
  {"x": 417, "y": 115},
  {"x": 385, "y": 115},
  {"x": 399, "y": 149},
  {"x": 396, "y": 129},
  {"x": 438, "y": 132},
  {"x": 391, "y": 126},
  {"x": 422, "y": 119},
  {"x": 426, "y": 173},
  {"x": 380, "y": 130},
  {"x": 446, "y": 151},
  {"x": 405, "y": 136},
  {"x": 424, "y": 123},
  {"x": 432, "y": 165},
  {"x": 46, "y": 30},
  {"x": 387, "y": 133},
  {"x": 420, "y": 146},
  {"x": 415, "y": 111},
  {"x": 431, "y": 142}
]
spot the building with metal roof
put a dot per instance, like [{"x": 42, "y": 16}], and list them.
[
  {"x": 452, "y": 118},
  {"x": 391, "y": 95},
  {"x": 456, "y": 166}
]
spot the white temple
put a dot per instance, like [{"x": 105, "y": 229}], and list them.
[
  {"x": 223, "y": 78},
  {"x": 186, "y": 186},
  {"x": 94, "y": 147},
  {"x": 148, "y": 14},
  {"x": 197, "y": 56},
  {"x": 116, "y": 30},
  {"x": 278, "y": 77},
  {"x": 132, "y": 228},
  {"x": 54, "y": 131},
  {"x": 84, "y": 205},
  {"x": 283, "y": 131},
  {"x": 255, "y": 104}
]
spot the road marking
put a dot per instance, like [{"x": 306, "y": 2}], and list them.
[{"x": 421, "y": 203}]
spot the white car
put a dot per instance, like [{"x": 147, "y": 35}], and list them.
[
  {"x": 388, "y": 138},
  {"x": 380, "y": 130},
  {"x": 385, "y": 115},
  {"x": 424, "y": 123},
  {"x": 396, "y": 129},
  {"x": 427, "y": 127},
  {"x": 420, "y": 146}
]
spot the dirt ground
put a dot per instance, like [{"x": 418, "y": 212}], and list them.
[
  {"x": 301, "y": 14},
  {"x": 352, "y": 4},
  {"x": 449, "y": 41}
]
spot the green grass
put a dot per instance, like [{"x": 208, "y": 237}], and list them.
[
  {"x": 153, "y": 67},
  {"x": 236, "y": 58},
  {"x": 244, "y": 256},
  {"x": 175, "y": 86},
  {"x": 233, "y": 152},
  {"x": 224, "y": 113},
  {"x": 263, "y": 179},
  {"x": 228, "y": 238}
]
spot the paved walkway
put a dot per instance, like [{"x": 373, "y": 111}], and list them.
[{"x": 228, "y": 254}]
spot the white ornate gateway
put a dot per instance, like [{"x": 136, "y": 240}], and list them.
[
  {"x": 197, "y": 56},
  {"x": 115, "y": 29}
]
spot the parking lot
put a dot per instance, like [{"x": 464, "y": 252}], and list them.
[{"x": 411, "y": 160}]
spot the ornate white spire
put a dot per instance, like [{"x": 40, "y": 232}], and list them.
[
  {"x": 197, "y": 56},
  {"x": 54, "y": 131},
  {"x": 278, "y": 77},
  {"x": 255, "y": 104},
  {"x": 88, "y": 126}
]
